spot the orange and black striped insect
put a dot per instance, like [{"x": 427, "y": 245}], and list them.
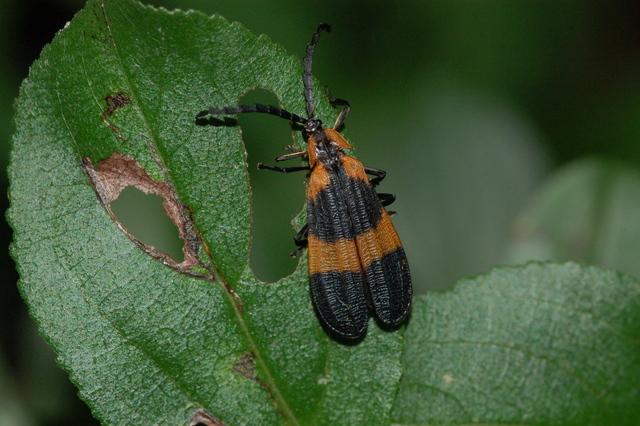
[{"x": 356, "y": 260}]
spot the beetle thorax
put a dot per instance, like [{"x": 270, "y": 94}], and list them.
[{"x": 325, "y": 149}]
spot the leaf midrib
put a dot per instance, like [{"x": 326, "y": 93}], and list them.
[{"x": 281, "y": 404}]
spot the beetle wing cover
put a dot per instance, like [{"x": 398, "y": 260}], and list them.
[{"x": 355, "y": 256}]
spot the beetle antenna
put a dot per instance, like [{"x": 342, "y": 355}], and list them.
[
  {"x": 307, "y": 77},
  {"x": 267, "y": 109}
]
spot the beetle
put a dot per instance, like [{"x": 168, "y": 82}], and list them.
[{"x": 356, "y": 260}]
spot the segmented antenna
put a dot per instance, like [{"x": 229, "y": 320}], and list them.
[
  {"x": 267, "y": 109},
  {"x": 307, "y": 77}
]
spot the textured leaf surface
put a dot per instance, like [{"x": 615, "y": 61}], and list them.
[
  {"x": 144, "y": 342},
  {"x": 540, "y": 344},
  {"x": 148, "y": 344}
]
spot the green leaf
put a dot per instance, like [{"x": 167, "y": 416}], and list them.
[
  {"x": 539, "y": 344},
  {"x": 588, "y": 211},
  {"x": 149, "y": 341}
]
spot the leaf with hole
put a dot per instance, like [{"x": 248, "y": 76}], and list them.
[
  {"x": 151, "y": 342},
  {"x": 112, "y": 103}
]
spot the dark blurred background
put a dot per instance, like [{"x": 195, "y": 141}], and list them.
[{"x": 467, "y": 105}]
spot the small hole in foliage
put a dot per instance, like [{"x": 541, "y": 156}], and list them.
[
  {"x": 276, "y": 197},
  {"x": 144, "y": 217}
]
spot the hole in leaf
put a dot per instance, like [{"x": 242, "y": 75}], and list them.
[
  {"x": 277, "y": 197},
  {"x": 144, "y": 217},
  {"x": 117, "y": 172}
]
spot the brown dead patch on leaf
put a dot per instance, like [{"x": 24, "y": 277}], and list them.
[
  {"x": 246, "y": 367},
  {"x": 119, "y": 171},
  {"x": 114, "y": 102},
  {"x": 204, "y": 418}
]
